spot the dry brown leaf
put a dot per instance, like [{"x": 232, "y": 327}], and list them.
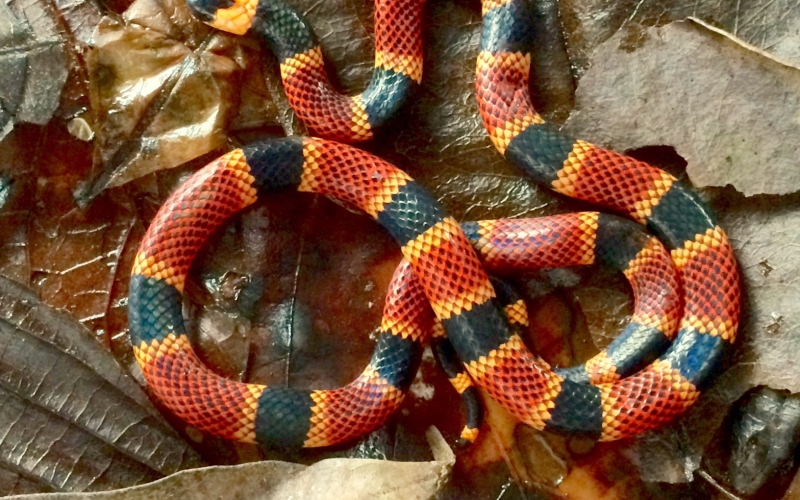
[
  {"x": 770, "y": 25},
  {"x": 340, "y": 478},
  {"x": 728, "y": 111}
]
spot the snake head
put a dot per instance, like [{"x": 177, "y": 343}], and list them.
[{"x": 233, "y": 16}]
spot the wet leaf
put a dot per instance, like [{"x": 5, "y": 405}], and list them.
[
  {"x": 14, "y": 483},
  {"x": 758, "y": 442},
  {"x": 75, "y": 254},
  {"x": 72, "y": 419},
  {"x": 165, "y": 88},
  {"x": 32, "y": 64}
]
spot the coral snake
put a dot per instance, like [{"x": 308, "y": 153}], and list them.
[{"x": 688, "y": 291}]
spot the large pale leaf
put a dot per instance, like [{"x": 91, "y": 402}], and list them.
[
  {"x": 343, "y": 478},
  {"x": 726, "y": 109}
]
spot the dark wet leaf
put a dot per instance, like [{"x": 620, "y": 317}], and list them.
[
  {"x": 75, "y": 255},
  {"x": 72, "y": 419},
  {"x": 81, "y": 17},
  {"x": 32, "y": 64},
  {"x": 165, "y": 89},
  {"x": 5, "y": 191},
  {"x": 759, "y": 442}
]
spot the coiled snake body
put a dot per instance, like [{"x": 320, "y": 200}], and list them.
[{"x": 442, "y": 284}]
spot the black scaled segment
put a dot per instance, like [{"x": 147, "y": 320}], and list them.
[
  {"x": 154, "y": 309},
  {"x": 472, "y": 400},
  {"x": 471, "y": 230},
  {"x": 638, "y": 346},
  {"x": 507, "y": 28},
  {"x": 477, "y": 332},
  {"x": 283, "y": 418},
  {"x": 447, "y": 358},
  {"x": 695, "y": 355},
  {"x": 385, "y": 95},
  {"x": 506, "y": 295},
  {"x": 285, "y": 30},
  {"x": 618, "y": 241},
  {"x": 396, "y": 359},
  {"x": 577, "y": 374},
  {"x": 540, "y": 150},
  {"x": 275, "y": 163},
  {"x": 411, "y": 212},
  {"x": 577, "y": 410},
  {"x": 205, "y": 9},
  {"x": 679, "y": 216}
]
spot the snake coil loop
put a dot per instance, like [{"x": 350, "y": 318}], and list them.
[{"x": 441, "y": 286}]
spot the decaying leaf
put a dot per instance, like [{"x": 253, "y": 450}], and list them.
[
  {"x": 165, "y": 89},
  {"x": 71, "y": 418},
  {"x": 344, "y": 478},
  {"x": 160, "y": 103},
  {"x": 728, "y": 111},
  {"x": 76, "y": 254},
  {"x": 32, "y": 64}
]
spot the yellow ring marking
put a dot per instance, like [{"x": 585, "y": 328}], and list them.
[
  {"x": 438, "y": 329},
  {"x": 237, "y": 18},
  {"x": 487, "y": 5},
  {"x": 668, "y": 325},
  {"x": 711, "y": 238},
  {"x": 712, "y": 326},
  {"x": 644, "y": 207},
  {"x": 146, "y": 353},
  {"x": 601, "y": 370},
  {"x": 517, "y": 313},
  {"x": 469, "y": 434},
  {"x": 359, "y": 123},
  {"x": 570, "y": 169},
  {"x": 406, "y": 328},
  {"x": 247, "y": 431},
  {"x": 461, "y": 382},
  {"x": 390, "y": 187},
  {"x": 411, "y": 66},
  {"x": 312, "y": 58}
]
